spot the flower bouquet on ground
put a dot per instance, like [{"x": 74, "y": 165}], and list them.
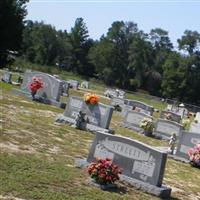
[
  {"x": 35, "y": 85},
  {"x": 91, "y": 99},
  {"x": 194, "y": 154},
  {"x": 103, "y": 172},
  {"x": 147, "y": 125}
]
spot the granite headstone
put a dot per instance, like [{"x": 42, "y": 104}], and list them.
[
  {"x": 147, "y": 109},
  {"x": 194, "y": 127},
  {"x": 49, "y": 94},
  {"x": 7, "y": 77},
  {"x": 166, "y": 128},
  {"x": 133, "y": 119},
  {"x": 73, "y": 84},
  {"x": 98, "y": 115},
  {"x": 187, "y": 140},
  {"x": 138, "y": 160},
  {"x": 85, "y": 84},
  {"x": 170, "y": 115}
]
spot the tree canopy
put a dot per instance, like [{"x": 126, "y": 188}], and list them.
[{"x": 125, "y": 57}]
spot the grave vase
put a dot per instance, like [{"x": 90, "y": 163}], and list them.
[
  {"x": 107, "y": 186},
  {"x": 33, "y": 93},
  {"x": 147, "y": 133}
]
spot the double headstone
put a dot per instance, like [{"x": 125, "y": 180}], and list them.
[
  {"x": 49, "y": 94},
  {"x": 171, "y": 116},
  {"x": 7, "y": 77},
  {"x": 98, "y": 116},
  {"x": 142, "y": 107},
  {"x": 142, "y": 165},
  {"x": 133, "y": 119},
  {"x": 165, "y": 128},
  {"x": 187, "y": 140},
  {"x": 73, "y": 84}
]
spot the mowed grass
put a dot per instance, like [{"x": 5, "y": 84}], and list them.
[{"x": 37, "y": 156}]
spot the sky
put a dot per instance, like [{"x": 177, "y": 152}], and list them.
[{"x": 174, "y": 16}]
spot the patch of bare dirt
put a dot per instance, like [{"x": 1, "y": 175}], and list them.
[
  {"x": 9, "y": 198},
  {"x": 15, "y": 148}
]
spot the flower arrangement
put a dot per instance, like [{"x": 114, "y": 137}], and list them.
[
  {"x": 91, "y": 98},
  {"x": 147, "y": 125},
  {"x": 168, "y": 116},
  {"x": 194, "y": 154},
  {"x": 103, "y": 171},
  {"x": 185, "y": 123},
  {"x": 35, "y": 85}
]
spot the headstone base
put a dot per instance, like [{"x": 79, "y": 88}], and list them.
[
  {"x": 107, "y": 187},
  {"x": 177, "y": 158},
  {"x": 92, "y": 128},
  {"x": 163, "y": 191},
  {"x": 130, "y": 126},
  {"x": 65, "y": 94},
  {"x": 39, "y": 99}
]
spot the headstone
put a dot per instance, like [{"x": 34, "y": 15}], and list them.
[
  {"x": 7, "y": 77},
  {"x": 197, "y": 118},
  {"x": 125, "y": 109},
  {"x": 99, "y": 115},
  {"x": 173, "y": 116},
  {"x": 133, "y": 119},
  {"x": 166, "y": 128},
  {"x": 85, "y": 84},
  {"x": 49, "y": 94},
  {"x": 139, "y": 161},
  {"x": 177, "y": 110},
  {"x": 114, "y": 93},
  {"x": 147, "y": 109},
  {"x": 187, "y": 140},
  {"x": 194, "y": 127},
  {"x": 116, "y": 101},
  {"x": 65, "y": 88},
  {"x": 73, "y": 84}
]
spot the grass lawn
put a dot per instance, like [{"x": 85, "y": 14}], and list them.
[{"x": 37, "y": 156}]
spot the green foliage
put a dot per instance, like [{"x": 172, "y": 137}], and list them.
[
  {"x": 125, "y": 57},
  {"x": 11, "y": 26}
]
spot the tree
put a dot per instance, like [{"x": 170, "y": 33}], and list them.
[
  {"x": 174, "y": 80},
  {"x": 40, "y": 43},
  {"x": 190, "y": 42},
  {"x": 140, "y": 57},
  {"x": 11, "y": 26},
  {"x": 80, "y": 46},
  {"x": 162, "y": 46}
]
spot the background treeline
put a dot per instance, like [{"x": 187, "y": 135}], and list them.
[{"x": 125, "y": 57}]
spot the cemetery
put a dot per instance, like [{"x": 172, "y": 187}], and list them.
[
  {"x": 99, "y": 100},
  {"x": 31, "y": 128}
]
